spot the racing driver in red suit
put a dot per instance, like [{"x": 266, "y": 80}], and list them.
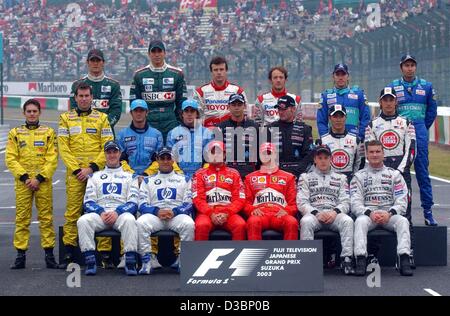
[
  {"x": 270, "y": 194},
  {"x": 218, "y": 195}
]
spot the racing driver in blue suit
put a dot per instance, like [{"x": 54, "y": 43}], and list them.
[{"x": 417, "y": 102}]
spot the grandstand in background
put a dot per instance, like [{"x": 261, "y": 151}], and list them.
[{"x": 48, "y": 40}]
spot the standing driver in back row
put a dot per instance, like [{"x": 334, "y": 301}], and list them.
[
  {"x": 417, "y": 102},
  {"x": 352, "y": 98},
  {"x": 162, "y": 86},
  {"x": 213, "y": 97},
  {"x": 105, "y": 90}
]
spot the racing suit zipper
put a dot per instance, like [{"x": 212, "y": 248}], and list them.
[
  {"x": 32, "y": 142},
  {"x": 83, "y": 135}
]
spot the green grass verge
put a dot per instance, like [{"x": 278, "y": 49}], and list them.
[{"x": 439, "y": 161}]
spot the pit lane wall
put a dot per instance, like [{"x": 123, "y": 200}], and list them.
[{"x": 439, "y": 131}]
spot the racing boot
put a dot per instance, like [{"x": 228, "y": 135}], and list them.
[
  {"x": 404, "y": 265},
  {"x": 19, "y": 263},
  {"x": 91, "y": 264},
  {"x": 130, "y": 263},
  {"x": 68, "y": 257},
  {"x": 347, "y": 266},
  {"x": 176, "y": 265},
  {"x": 121, "y": 264},
  {"x": 146, "y": 264},
  {"x": 107, "y": 262},
  {"x": 429, "y": 220},
  {"x": 361, "y": 266},
  {"x": 50, "y": 261},
  {"x": 154, "y": 262}
]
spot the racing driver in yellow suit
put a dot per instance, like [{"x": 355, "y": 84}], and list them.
[
  {"x": 31, "y": 156},
  {"x": 82, "y": 133}
]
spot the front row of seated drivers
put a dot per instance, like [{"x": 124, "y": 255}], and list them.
[{"x": 269, "y": 199}]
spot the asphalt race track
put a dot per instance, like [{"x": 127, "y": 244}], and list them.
[{"x": 37, "y": 280}]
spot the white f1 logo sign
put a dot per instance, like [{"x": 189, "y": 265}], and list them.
[
  {"x": 211, "y": 261},
  {"x": 244, "y": 264}
]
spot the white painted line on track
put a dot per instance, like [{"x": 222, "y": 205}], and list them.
[
  {"x": 434, "y": 293},
  {"x": 7, "y": 207},
  {"x": 6, "y": 170},
  {"x": 56, "y": 182},
  {"x": 436, "y": 178},
  {"x": 2, "y": 152},
  {"x": 7, "y": 184},
  {"x": 13, "y": 223}
]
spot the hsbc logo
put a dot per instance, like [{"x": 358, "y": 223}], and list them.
[
  {"x": 390, "y": 139},
  {"x": 159, "y": 96},
  {"x": 100, "y": 104},
  {"x": 243, "y": 265},
  {"x": 169, "y": 95}
]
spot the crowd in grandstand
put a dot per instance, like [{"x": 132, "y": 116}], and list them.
[{"x": 36, "y": 32}]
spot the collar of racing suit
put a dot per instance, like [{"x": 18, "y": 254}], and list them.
[
  {"x": 285, "y": 124},
  {"x": 321, "y": 173},
  {"x": 269, "y": 169},
  {"x": 158, "y": 69},
  {"x": 112, "y": 169},
  {"x": 388, "y": 117},
  {"x": 342, "y": 91},
  {"x": 31, "y": 125},
  {"x": 216, "y": 168},
  {"x": 220, "y": 88},
  {"x": 372, "y": 169},
  {"x": 236, "y": 123},
  {"x": 166, "y": 174},
  {"x": 409, "y": 84},
  {"x": 279, "y": 94},
  {"x": 188, "y": 127},
  {"x": 82, "y": 113},
  {"x": 139, "y": 130},
  {"x": 338, "y": 135},
  {"x": 96, "y": 78}
]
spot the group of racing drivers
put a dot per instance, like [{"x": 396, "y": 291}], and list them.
[{"x": 238, "y": 170}]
